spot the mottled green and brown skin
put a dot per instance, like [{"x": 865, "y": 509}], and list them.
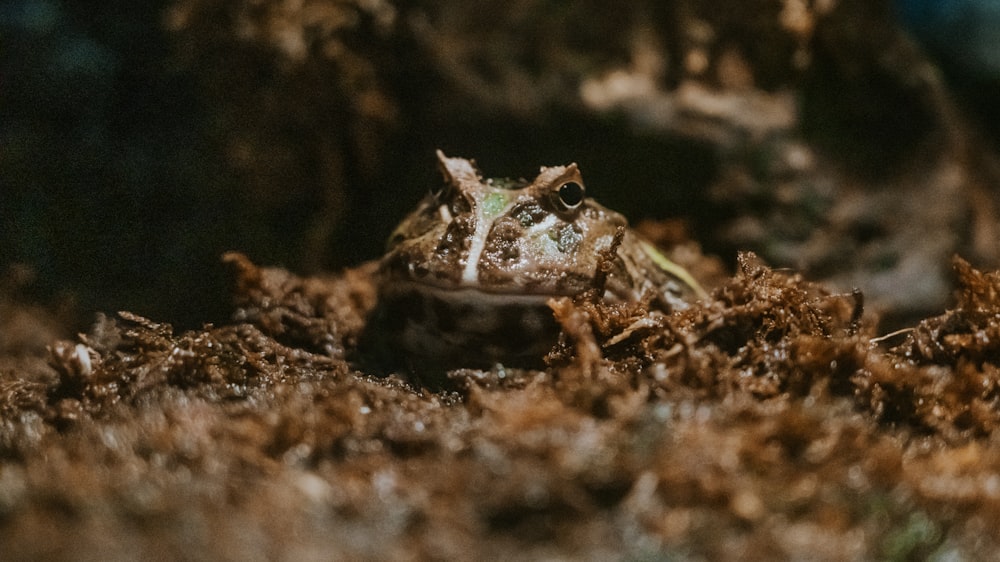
[{"x": 466, "y": 276}]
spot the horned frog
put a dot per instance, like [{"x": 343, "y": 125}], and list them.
[{"x": 467, "y": 274}]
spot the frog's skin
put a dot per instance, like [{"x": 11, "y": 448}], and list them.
[{"x": 466, "y": 276}]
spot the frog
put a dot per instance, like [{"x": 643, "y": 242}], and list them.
[{"x": 468, "y": 274}]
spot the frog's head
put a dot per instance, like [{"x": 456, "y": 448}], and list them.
[{"x": 495, "y": 235}]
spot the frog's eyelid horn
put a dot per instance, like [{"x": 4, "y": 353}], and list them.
[
  {"x": 572, "y": 173},
  {"x": 551, "y": 178},
  {"x": 456, "y": 169},
  {"x": 553, "y": 183}
]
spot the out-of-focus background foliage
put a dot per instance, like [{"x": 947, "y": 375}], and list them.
[{"x": 852, "y": 139}]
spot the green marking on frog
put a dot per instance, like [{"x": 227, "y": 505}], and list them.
[
  {"x": 494, "y": 203},
  {"x": 672, "y": 268}
]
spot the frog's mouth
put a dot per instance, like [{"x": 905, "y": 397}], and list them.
[
  {"x": 395, "y": 280},
  {"x": 470, "y": 295}
]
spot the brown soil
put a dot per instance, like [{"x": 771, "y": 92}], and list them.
[{"x": 764, "y": 422}]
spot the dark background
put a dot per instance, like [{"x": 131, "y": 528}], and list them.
[{"x": 140, "y": 141}]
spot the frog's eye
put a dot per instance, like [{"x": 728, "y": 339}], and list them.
[{"x": 570, "y": 195}]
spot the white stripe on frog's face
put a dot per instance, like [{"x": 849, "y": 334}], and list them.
[
  {"x": 470, "y": 273},
  {"x": 445, "y": 213}
]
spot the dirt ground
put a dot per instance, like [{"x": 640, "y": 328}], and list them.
[
  {"x": 836, "y": 397},
  {"x": 766, "y": 421}
]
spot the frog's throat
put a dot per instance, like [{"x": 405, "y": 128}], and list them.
[{"x": 441, "y": 328}]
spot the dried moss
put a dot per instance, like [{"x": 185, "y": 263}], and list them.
[{"x": 763, "y": 421}]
